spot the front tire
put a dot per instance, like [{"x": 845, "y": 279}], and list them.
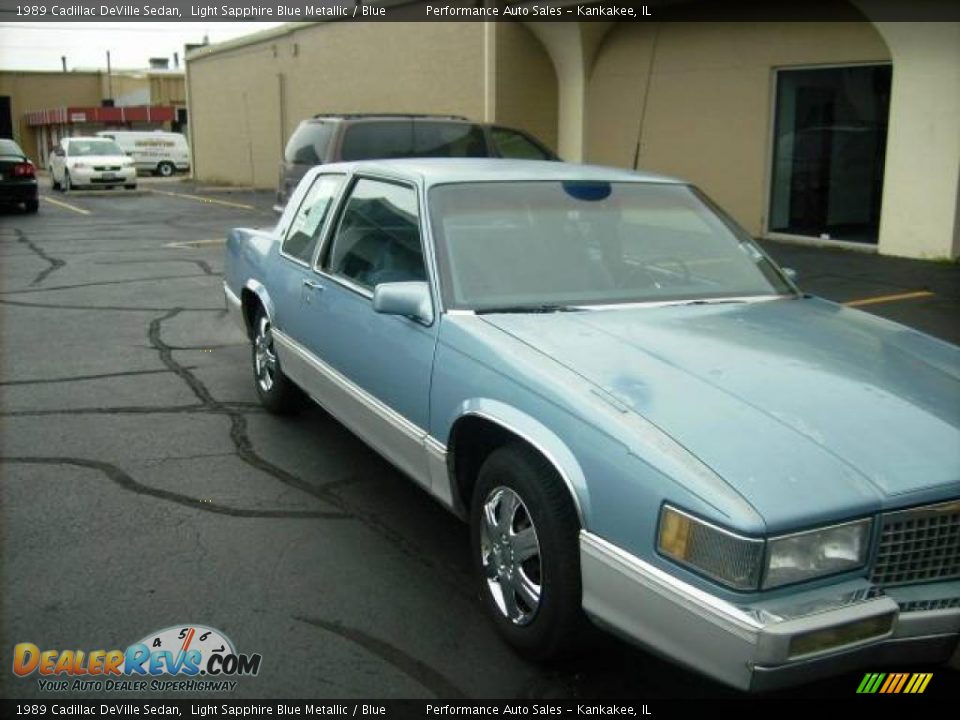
[
  {"x": 525, "y": 542},
  {"x": 67, "y": 185},
  {"x": 277, "y": 393}
]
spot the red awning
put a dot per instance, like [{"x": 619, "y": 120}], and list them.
[{"x": 72, "y": 115}]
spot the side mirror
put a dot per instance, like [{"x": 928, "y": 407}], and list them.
[
  {"x": 409, "y": 299},
  {"x": 791, "y": 274}
]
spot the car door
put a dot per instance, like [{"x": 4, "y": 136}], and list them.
[
  {"x": 372, "y": 371},
  {"x": 294, "y": 286}
]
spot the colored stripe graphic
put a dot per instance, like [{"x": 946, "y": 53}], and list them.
[{"x": 894, "y": 683}]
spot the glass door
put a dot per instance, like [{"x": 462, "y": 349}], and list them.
[{"x": 830, "y": 138}]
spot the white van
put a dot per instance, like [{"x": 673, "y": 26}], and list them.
[{"x": 157, "y": 152}]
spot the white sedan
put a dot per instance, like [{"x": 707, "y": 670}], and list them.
[{"x": 89, "y": 161}]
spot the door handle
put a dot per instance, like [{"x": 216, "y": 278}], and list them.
[{"x": 313, "y": 285}]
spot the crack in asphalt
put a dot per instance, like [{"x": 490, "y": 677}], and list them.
[
  {"x": 81, "y": 378},
  {"x": 119, "y": 410},
  {"x": 55, "y": 263},
  {"x": 240, "y": 438},
  {"x": 195, "y": 408},
  {"x": 112, "y": 308},
  {"x": 419, "y": 671},
  {"x": 100, "y": 284},
  {"x": 126, "y": 482}
]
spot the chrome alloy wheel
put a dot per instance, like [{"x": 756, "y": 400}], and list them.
[
  {"x": 510, "y": 555},
  {"x": 264, "y": 356}
]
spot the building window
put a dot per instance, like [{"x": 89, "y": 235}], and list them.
[{"x": 830, "y": 138}]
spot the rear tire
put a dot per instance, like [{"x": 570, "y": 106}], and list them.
[
  {"x": 524, "y": 535},
  {"x": 278, "y": 394},
  {"x": 31, "y": 206},
  {"x": 54, "y": 185},
  {"x": 166, "y": 169},
  {"x": 130, "y": 187}
]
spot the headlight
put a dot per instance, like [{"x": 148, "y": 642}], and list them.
[
  {"x": 731, "y": 559},
  {"x": 825, "y": 551},
  {"x": 738, "y": 561}
]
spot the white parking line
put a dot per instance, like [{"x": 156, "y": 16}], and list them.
[
  {"x": 68, "y": 206},
  {"x": 203, "y": 199}
]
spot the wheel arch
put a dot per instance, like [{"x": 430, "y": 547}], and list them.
[
  {"x": 254, "y": 295},
  {"x": 485, "y": 426}
]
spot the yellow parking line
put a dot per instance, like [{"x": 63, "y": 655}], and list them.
[
  {"x": 204, "y": 199},
  {"x": 68, "y": 206},
  {"x": 197, "y": 243},
  {"x": 889, "y": 298}
]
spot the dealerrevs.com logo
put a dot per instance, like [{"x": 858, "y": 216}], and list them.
[{"x": 200, "y": 658}]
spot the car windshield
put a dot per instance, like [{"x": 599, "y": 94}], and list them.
[
  {"x": 84, "y": 148},
  {"x": 551, "y": 245}
]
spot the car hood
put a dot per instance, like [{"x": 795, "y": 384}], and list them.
[{"x": 806, "y": 408}]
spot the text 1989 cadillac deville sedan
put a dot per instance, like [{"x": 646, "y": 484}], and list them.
[{"x": 643, "y": 419}]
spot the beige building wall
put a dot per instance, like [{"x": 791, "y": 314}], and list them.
[
  {"x": 37, "y": 90},
  {"x": 30, "y": 90},
  {"x": 168, "y": 90},
  {"x": 709, "y": 99},
  {"x": 921, "y": 191},
  {"x": 526, "y": 84},
  {"x": 246, "y": 98}
]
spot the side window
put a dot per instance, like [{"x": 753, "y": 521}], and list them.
[
  {"x": 305, "y": 229},
  {"x": 378, "y": 239},
  {"x": 378, "y": 140},
  {"x": 514, "y": 145}
]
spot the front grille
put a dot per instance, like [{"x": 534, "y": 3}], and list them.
[
  {"x": 919, "y": 545},
  {"x": 102, "y": 168},
  {"x": 919, "y": 605}
]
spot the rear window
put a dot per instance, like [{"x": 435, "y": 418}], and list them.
[
  {"x": 445, "y": 139},
  {"x": 517, "y": 146},
  {"x": 9, "y": 147},
  {"x": 378, "y": 140},
  {"x": 308, "y": 144}
]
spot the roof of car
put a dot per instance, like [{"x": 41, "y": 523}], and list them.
[{"x": 439, "y": 171}]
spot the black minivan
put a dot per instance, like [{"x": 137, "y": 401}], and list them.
[{"x": 342, "y": 137}]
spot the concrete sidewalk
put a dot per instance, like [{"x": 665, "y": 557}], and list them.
[{"x": 919, "y": 293}]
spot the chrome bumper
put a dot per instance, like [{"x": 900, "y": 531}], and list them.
[{"x": 763, "y": 646}]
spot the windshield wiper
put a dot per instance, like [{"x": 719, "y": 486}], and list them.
[{"x": 527, "y": 309}]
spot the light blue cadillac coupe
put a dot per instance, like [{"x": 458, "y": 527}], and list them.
[{"x": 642, "y": 418}]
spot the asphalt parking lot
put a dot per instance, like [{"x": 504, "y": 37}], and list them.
[{"x": 141, "y": 486}]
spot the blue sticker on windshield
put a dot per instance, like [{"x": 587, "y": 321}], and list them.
[{"x": 587, "y": 190}]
